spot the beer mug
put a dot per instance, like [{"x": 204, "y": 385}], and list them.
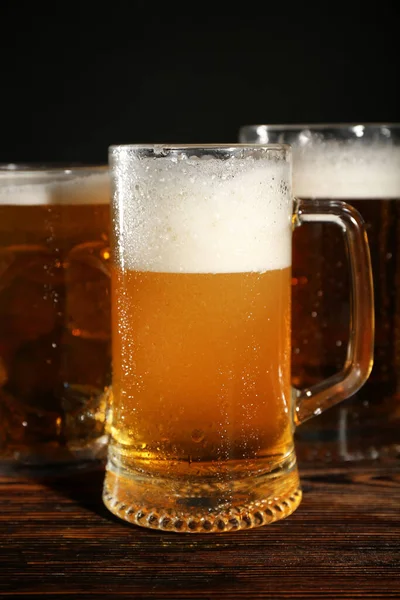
[
  {"x": 361, "y": 165},
  {"x": 201, "y": 433},
  {"x": 55, "y": 323}
]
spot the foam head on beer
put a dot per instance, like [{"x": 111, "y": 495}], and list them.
[
  {"x": 348, "y": 169},
  {"x": 29, "y": 187},
  {"x": 201, "y": 214}
]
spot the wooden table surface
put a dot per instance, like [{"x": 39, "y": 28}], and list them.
[{"x": 57, "y": 540}]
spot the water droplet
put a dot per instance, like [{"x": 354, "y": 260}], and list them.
[{"x": 197, "y": 435}]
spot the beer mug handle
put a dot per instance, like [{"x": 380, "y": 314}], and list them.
[{"x": 317, "y": 398}]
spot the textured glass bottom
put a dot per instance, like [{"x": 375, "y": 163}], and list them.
[{"x": 203, "y": 506}]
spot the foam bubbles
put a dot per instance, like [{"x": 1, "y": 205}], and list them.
[
  {"x": 30, "y": 188},
  {"x": 346, "y": 170},
  {"x": 202, "y": 215}
]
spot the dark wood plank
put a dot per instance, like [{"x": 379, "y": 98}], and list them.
[{"x": 57, "y": 540}]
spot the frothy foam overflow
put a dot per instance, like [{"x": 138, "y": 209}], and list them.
[
  {"x": 203, "y": 216},
  {"x": 343, "y": 170},
  {"x": 36, "y": 188}
]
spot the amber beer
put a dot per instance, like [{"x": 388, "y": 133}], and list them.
[
  {"x": 55, "y": 343},
  {"x": 208, "y": 348},
  {"x": 358, "y": 164},
  {"x": 366, "y": 175},
  {"x": 201, "y": 343}
]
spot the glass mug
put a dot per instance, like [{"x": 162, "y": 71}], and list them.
[
  {"x": 55, "y": 325},
  {"x": 361, "y": 165},
  {"x": 201, "y": 436}
]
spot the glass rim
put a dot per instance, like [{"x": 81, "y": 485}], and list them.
[
  {"x": 320, "y": 126},
  {"x": 225, "y": 146},
  {"x": 25, "y": 168}
]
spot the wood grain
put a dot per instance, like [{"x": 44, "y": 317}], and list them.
[{"x": 57, "y": 540}]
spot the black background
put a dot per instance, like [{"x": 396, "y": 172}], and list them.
[{"x": 77, "y": 79}]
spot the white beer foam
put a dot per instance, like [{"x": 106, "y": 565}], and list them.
[
  {"x": 34, "y": 188},
  {"x": 346, "y": 170},
  {"x": 203, "y": 216}
]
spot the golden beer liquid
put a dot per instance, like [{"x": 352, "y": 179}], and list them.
[
  {"x": 202, "y": 426},
  {"x": 368, "y": 424},
  {"x": 55, "y": 343}
]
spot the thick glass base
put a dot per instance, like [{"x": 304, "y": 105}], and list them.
[
  {"x": 59, "y": 431},
  {"x": 203, "y": 504},
  {"x": 360, "y": 428},
  {"x": 49, "y": 458}
]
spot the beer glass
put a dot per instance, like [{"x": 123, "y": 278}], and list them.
[
  {"x": 55, "y": 348},
  {"x": 361, "y": 165},
  {"x": 201, "y": 436}
]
